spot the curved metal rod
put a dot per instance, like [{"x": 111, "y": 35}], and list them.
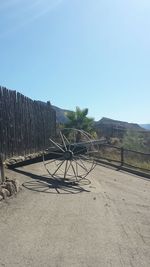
[
  {"x": 69, "y": 166},
  {"x": 74, "y": 171},
  {"x": 90, "y": 161},
  {"x": 66, "y": 169},
  {"x": 66, "y": 139},
  {"x": 58, "y": 167},
  {"x": 83, "y": 149},
  {"x": 84, "y": 167},
  {"x": 49, "y": 162},
  {"x": 57, "y": 145},
  {"x": 81, "y": 166},
  {"x": 82, "y": 163},
  {"x": 76, "y": 168},
  {"x": 63, "y": 140},
  {"x": 86, "y": 158}
]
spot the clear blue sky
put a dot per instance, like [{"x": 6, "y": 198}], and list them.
[{"x": 86, "y": 53}]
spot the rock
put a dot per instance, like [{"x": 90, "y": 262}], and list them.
[
  {"x": 21, "y": 158},
  {"x": 8, "y": 188},
  {"x": 12, "y": 161},
  {"x": 5, "y": 193},
  {"x": 11, "y": 188},
  {"x": 29, "y": 157},
  {"x": 16, "y": 185},
  {"x": 3, "y": 185}
]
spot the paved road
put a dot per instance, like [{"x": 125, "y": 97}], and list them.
[{"x": 103, "y": 222}]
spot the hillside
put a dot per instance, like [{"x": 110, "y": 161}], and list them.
[
  {"x": 145, "y": 126},
  {"x": 105, "y": 125},
  {"x": 115, "y": 128},
  {"x": 116, "y": 123},
  {"x": 61, "y": 114}
]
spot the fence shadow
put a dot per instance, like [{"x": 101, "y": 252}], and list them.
[{"x": 53, "y": 186}]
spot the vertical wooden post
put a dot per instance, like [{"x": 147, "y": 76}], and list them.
[
  {"x": 122, "y": 156},
  {"x": 2, "y": 168}
]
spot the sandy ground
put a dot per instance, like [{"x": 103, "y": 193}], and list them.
[{"x": 103, "y": 221}]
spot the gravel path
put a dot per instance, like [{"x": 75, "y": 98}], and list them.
[{"x": 105, "y": 221}]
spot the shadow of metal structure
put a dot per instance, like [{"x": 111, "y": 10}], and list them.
[{"x": 47, "y": 184}]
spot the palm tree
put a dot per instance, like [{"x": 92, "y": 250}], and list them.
[{"x": 78, "y": 119}]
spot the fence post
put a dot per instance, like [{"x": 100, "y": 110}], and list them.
[
  {"x": 2, "y": 168},
  {"x": 122, "y": 156}
]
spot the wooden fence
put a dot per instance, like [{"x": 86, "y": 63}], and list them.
[
  {"x": 25, "y": 125},
  {"x": 124, "y": 157}
]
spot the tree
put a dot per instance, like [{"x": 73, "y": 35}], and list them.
[{"x": 78, "y": 119}]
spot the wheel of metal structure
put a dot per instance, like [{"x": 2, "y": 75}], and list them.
[{"x": 72, "y": 155}]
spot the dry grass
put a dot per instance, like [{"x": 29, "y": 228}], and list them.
[{"x": 130, "y": 158}]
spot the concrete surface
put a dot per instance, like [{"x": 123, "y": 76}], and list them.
[{"x": 103, "y": 221}]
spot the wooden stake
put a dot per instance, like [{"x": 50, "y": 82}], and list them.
[{"x": 2, "y": 168}]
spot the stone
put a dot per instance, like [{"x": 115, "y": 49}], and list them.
[
  {"x": 1, "y": 197},
  {"x": 5, "y": 193},
  {"x": 12, "y": 161},
  {"x": 3, "y": 185},
  {"x": 28, "y": 157},
  {"x": 16, "y": 185},
  {"x": 11, "y": 188}
]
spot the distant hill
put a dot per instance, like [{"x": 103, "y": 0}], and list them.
[
  {"x": 61, "y": 115},
  {"x": 145, "y": 126},
  {"x": 104, "y": 124},
  {"x": 116, "y": 123},
  {"x": 115, "y": 128}
]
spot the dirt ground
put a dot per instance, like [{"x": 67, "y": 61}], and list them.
[{"x": 102, "y": 221}]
